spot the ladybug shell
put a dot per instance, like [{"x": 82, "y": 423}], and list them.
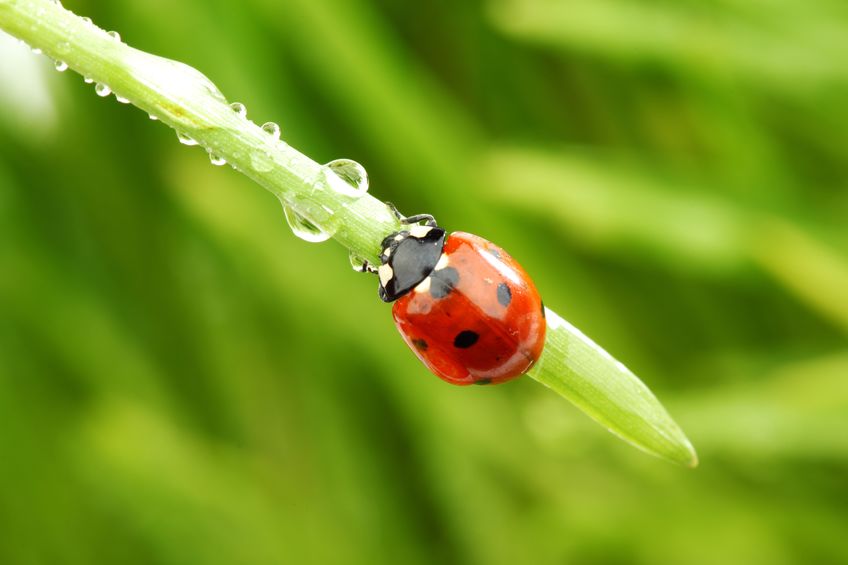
[{"x": 477, "y": 319}]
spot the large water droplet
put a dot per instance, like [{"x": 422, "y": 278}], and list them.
[
  {"x": 271, "y": 129},
  {"x": 185, "y": 139},
  {"x": 102, "y": 90},
  {"x": 303, "y": 228},
  {"x": 114, "y": 35},
  {"x": 347, "y": 177},
  {"x": 217, "y": 160},
  {"x": 239, "y": 109},
  {"x": 61, "y": 66}
]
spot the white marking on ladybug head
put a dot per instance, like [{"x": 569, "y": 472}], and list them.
[
  {"x": 419, "y": 231},
  {"x": 442, "y": 263},
  {"x": 385, "y": 273},
  {"x": 387, "y": 252},
  {"x": 424, "y": 286},
  {"x": 398, "y": 237}
]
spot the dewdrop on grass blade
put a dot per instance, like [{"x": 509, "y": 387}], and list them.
[
  {"x": 239, "y": 109},
  {"x": 347, "y": 177},
  {"x": 357, "y": 262},
  {"x": 186, "y": 139},
  {"x": 303, "y": 228},
  {"x": 343, "y": 176},
  {"x": 217, "y": 160},
  {"x": 272, "y": 129}
]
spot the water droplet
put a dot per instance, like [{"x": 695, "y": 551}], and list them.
[
  {"x": 347, "y": 177},
  {"x": 121, "y": 99},
  {"x": 102, "y": 90},
  {"x": 61, "y": 66},
  {"x": 261, "y": 161},
  {"x": 239, "y": 109},
  {"x": 87, "y": 80},
  {"x": 114, "y": 35},
  {"x": 152, "y": 117},
  {"x": 303, "y": 228},
  {"x": 185, "y": 139},
  {"x": 36, "y": 50},
  {"x": 217, "y": 160},
  {"x": 271, "y": 129},
  {"x": 86, "y": 19}
]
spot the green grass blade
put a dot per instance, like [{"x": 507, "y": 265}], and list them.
[
  {"x": 183, "y": 98},
  {"x": 578, "y": 369}
]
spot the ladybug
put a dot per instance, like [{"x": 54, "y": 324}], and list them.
[{"x": 466, "y": 308}]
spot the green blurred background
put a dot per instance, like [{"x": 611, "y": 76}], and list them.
[{"x": 183, "y": 381}]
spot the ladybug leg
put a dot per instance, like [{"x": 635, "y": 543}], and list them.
[
  {"x": 430, "y": 220},
  {"x": 367, "y": 267},
  {"x": 395, "y": 212}
]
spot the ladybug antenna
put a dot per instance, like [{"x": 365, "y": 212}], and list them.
[{"x": 416, "y": 219}]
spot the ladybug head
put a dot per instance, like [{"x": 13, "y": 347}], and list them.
[{"x": 408, "y": 257}]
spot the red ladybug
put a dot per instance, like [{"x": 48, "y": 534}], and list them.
[{"x": 466, "y": 308}]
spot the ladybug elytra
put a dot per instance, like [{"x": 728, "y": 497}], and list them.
[{"x": 466, "y": 308}]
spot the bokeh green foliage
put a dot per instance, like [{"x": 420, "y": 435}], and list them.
[{"x": 183, "y": 381}]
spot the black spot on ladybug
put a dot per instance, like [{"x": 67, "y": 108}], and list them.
[
  {"x": 443, "y": 281},
  {"x": 465, "y": 339},
  {"x": 420, "y": 344},
  {"x": 483, "y": 382},
  {"x": 494, "y": 252},
  {"x": 504, "y": 294}
]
